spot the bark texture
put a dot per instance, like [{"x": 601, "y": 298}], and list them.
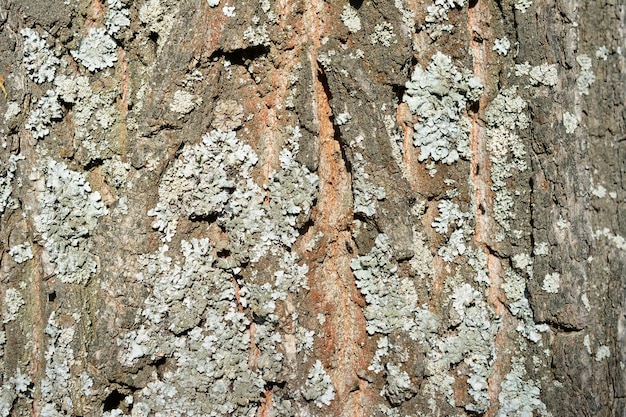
[{"x": 294, "y": 208}]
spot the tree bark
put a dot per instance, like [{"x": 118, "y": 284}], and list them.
[{"x": 293, "y": 208}]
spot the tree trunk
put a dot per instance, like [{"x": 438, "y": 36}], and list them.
[{"x": 294, "y": 208}]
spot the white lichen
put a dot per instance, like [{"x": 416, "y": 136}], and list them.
[
  {"x": 502, "y": 46},
  {"x": 617, "y": 240},
  {"x": 455, "y": 246},
  {"x": 158, "y": 18},
  {"x": 382, "y": 350},
  {"x": 350, "y": 18},
  {"x": 20, "y": 381},
  {"x": 449, "y": 213},
  {"x": 13, "y": 301},
  {"x": 514, "y": 285},
  {"x": 383, "y": 34},
  {"x": 116, "y": 17},
  {"x": 545, "y": 74},
  {"x": 506, "y": 117},
  {"x": 522, "y": 69},
  {"x": 21, "y": 253},
  {"x": 523, "y": 5},
  {"x": 13, "y": 109},
  {"x": 602, "y": 53},
  {"x": 39, "y": 60},
  {"x": 228, "y": 115},
  {"x": 585, "y": 301},
  {"x": 602, "y": 353},
  {"x": 408, "y": 15},
  {"x": 599, "y": 191},
  {"x": 97, "y": 50},
  {"x": 541, "y": 249},
  {"x": 257, "y": 35},
  {"x": 58, "y": 382},
  {"x": 116, "y": 171},
  {"x": 229, "y": 11},
  {"x": 586, "y": 77},
  {"x": 587, "y": 343},
  {"x": 551, "y": 283},
  {"x": 398, "y": 387},
  {"x": 570, "y": 122},
  {"x": 523, "y": 262},
  {"x": 184, "y": 102},
  {"x": 508, "y": 110},
  {"x": 343, "y": 118},
  {"x": 562, "y": 223}
]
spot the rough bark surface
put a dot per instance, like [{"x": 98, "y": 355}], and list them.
[{"x": 293, "y": 208}]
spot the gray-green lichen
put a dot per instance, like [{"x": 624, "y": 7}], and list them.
[
  {"x": 519, "y": 397},
  {"x": 438, "y": 96},
  {"x": 545, "y": 74},
  {"x": 502, "y": 46},
  {"x": 13, "y": 388},
  {"x": 59, "y": 386},
  {"x": 193, "y": 318},
  {"x": 318, "y": 386},
  {"x": 523, "y": 5},
  {"x": 47, "y": 110},
  {"x": 97, "y": 50},
  {"x": 69, "y": 212},
  {"x": 93, "y": 114},
  {"x": 450, "y": 214},
  {"x": 398, "y": 386},
  {"x": 473, "y": 342},
  {"x": 202, "y": 181},
  {"x": 392, "y": 309},
  {"x": 437, "y": 17},
  {"x": 184, "y": 102},
  {"x": 551, "y": 283},
  {"x": 6, "y": 181},
  {"x": 366, "y": 195},
  {"x": 514, "y": 287},
  {"x": 213, "y": 316},
  {"x": 391, "y": 301},
  {"x": 506, "y": 117},
  {"x": 383, "y": 34},
  {"x": 13, "y": 301},
  {"x": 213, "y": 179}
]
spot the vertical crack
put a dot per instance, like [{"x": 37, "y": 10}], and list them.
[
  {"x": 478, "y": 29},
  {"x": 334, "y": 285}
]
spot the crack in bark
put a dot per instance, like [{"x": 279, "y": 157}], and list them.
[
  {"x": 478, "y": 18},
  {"x": 333, "y": 277}
]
